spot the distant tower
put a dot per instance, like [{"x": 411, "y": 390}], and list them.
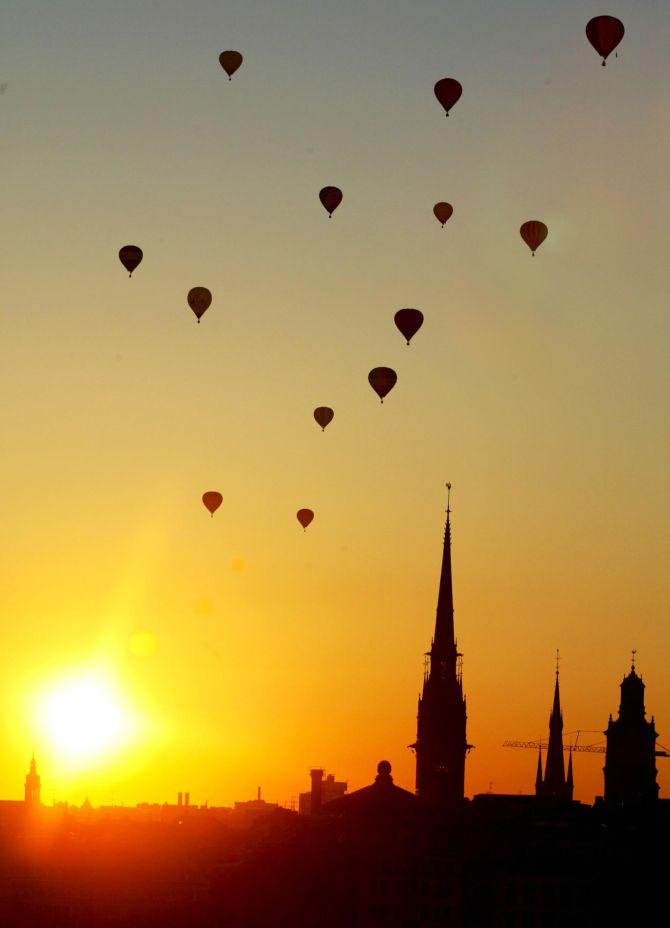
[
  {"x": 441, "y": 743},
  {"x": 630, "y": 761},
  {"x": 554, "y": 783},
  {"x": 32, "y": 787}
]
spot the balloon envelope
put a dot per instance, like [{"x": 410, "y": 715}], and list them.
[
  {"x": 448, "y": 91},
  {"x": 409, "y": 321},
  {"x": 199, "y": 299},
  {"x": 382, "y": 380},
  {"x": 604, "y": 33},
  {"x": 230, "y": 62},
  {"x": 323, "y": 415},
  {"x": 130, "y": 256},
  {"x": 212, "y": 500},
  {"x": 304, "y": 517},
  {"x": 443, "y": 212},
  {"x": 330, "y": 197},
  {"x": 533, "y": 233}
]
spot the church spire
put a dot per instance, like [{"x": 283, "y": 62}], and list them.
[
  {"x": 554, "y": 783},
  {"x": 443, "y": 642}
]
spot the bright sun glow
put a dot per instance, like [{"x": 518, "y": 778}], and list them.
[{"x": 83, "y": 718}]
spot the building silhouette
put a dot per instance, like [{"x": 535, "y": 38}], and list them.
[
  {"x": 32, "y": 785},
  {"x": 630, "y": 760},
  {"x": 554, "y": 784},
  {"x": 324, "y": 789},
  {"x": 441, "y": 743}
]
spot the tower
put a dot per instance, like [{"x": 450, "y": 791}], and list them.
[
  {"x": 32, "y": 787},
  {"x": 554, "y": 783},
  {"x": 630, "y": 759},
  {"x": 441, "y": 743}
]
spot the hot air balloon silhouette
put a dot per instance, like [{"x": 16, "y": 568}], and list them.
[
  {"x": 304, "y": 517},
  {"x": 409, "y": 321},
  {"x": 448, "y": 92},
  {"x": 382, "y": 380},
  {"x": 130, "y": 256},
  {"x": 443, "y": 211},
  {"x": 212, "y": 500},
  {"x": 604, "y": 33},
  {"x": 330, "y": 197},
  {"x": 533, "y": 233},
  {"x": 230, "y": 62},
  {"x": 323, "y": 415},
  {"x": 199, "y": 299}
]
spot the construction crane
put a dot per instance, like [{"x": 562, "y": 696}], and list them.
[{"x": 587, "y": 748}]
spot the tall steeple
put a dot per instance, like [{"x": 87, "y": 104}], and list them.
[
  {"x": 32, "y": 786},
  {"x": 441, "y": 743},
  {"x": 554, "y": 783}
]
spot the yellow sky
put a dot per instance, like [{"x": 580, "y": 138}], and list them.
[{"x": 538, "y": 386}]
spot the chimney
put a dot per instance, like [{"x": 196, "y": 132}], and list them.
[
  {"x": 317, "y": 783},
  {"x": 179, "y": 800},
  {"x": 186, "y": 799},
  {"x": 259, "y": 794}
]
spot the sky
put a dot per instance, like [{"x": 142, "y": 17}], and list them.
[{"x": 235, "y": 651}]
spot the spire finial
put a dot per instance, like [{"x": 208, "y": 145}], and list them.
[
  {"x": 632, "y": 665},
  {"x": 448, "y": 499},
  {"x": 558, "y": 658}
]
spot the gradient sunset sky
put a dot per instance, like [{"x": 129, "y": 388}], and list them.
[{"x": 242, "y": 650}]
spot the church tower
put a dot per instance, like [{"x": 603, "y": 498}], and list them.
[
  {"x": 32, "y": 787},
  {"x": 554, "y": 783},
  {"x": 630, "y": 760},
  {"x": 441, "y": 743}
]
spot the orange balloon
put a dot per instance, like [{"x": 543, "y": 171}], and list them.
[
  {"x": 443, "y": 212},
  {"x": 230, "y": 62},
  {"x": 212, "y": 500},
  {"x": 304, "y": 517},
  {"x": 199, "y": 299},
  {"x": 323, "y": 415}
]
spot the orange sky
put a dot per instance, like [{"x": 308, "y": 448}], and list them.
[{"x": 538, "y": 386}]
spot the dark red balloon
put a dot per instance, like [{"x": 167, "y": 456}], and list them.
[
  {"x": 130, "y": 256},
  {"x": 323, "y": 415},
  {"x": 533, "y": 233},
  {"x": 443, "y": 212},
  {"x": 604, "y": 33},
  {"x": 409, "y": 321},
  {"x": 382, "y": 380},
  {"x": 304, "y": 517},
  {"x": 199, "y": 299},
  {"x": 212, "y": 500},
  {"x": 448, "y": 92},
  {"x": 230, "y": 62},
  {"x": 330, "y": 197}
]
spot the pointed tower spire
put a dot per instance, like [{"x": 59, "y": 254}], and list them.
[
  {"x": 538, "y": 776},
  {"x": 569, "y": 785},
  {"x": 441, "y": 743},
  {"x": 443, "y": 642},
  {"x": 554, "y": 783}
]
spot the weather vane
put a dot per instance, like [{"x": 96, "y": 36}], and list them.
[{"x": 448, "y": 497}]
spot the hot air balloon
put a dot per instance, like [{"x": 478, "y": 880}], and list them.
[
  {"x": 604, "y": 33},
  {"x": 212, "y": 500},
  {"x": 330, "y": 197},
  {"x": 533, "y": 233},
  {"x": 409, "y": 321},
  {"x": 323, "y": 415},
  {"x": 199, "y": 299},
  {"x": 382, "y": 380},
  {"x": 448, "y": 92},
  {"x": 304, "y": 517},
  {"x": 443, "y": 212},
  {"x": 130, "y": 256},
  {"x": 230, "y": 62}
]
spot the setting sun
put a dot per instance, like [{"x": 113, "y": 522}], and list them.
[{"x": 83, "y": 717}]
